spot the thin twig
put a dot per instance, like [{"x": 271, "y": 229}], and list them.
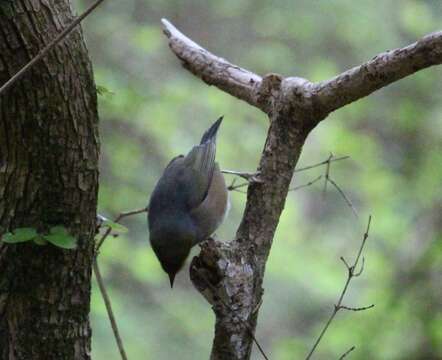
[
  {"x": 118, "y": 219},
  {"x": 347, "y": 352},
  {"x": 342, "y": 307},
  {"x": 307, "y": 184},
  {"x": 347, "y": 200},
  {"x": 233, "y": 187},
  {"x": 350, "y": 275},
  {"x": 229, "y": 308},
  {"x": 110, "y": 313},
  {"x": 102, "y": 287},
  {"x": 325, "y": 162},
  {"x": 48, "y": 47},
  {"x": 250, "y": 177},
  {"x": 232, "y": 184},
  {"x": 327, "y": 174},
  {"x": 328, "y": 179},
  {"x": 361, "y": 270}
]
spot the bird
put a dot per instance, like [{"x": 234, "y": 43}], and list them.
[{"x": 188, "y": 203}]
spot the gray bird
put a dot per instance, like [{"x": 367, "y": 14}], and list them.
[{"x": 188, "y": 203}]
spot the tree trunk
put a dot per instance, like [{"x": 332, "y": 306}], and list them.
[
  {"x": 230, "y": 275},
  {"x": 48, "y": 176},
  {"x": 240, "y": 264}
]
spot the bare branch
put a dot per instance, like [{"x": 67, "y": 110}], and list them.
[
  {"x": 325, "y": 162},
  {"x": 120, "y": 216},
  {"x": 362, "y": 308},
  {"x": 382, "y": 70},
  {"x": 255, "y": 176},
  {"x": 110, "y": 313},
  {"x": 339, "y": 305},
  {"x": 214, "y": 70},
  {"x": 250, "y": 177},
  {"x": 49, "y": 47},
  {"x": 344, "y": 355},
  {"x": 234, "y": 187},
  {"x": 327, "y": 174},
  {"x": 330, "y": 95},
  {"x": 347, "y": 200},
  {"x": 363, "y": 242},
  {"x": 345, "y": 263},
  {"x": 356, "y": 274},
  {"x": 328, "y": 179},
  {"x": 307, "y": 184},
  {"x": 124, "y": 214},
  {"x": 102, "y": 287}
]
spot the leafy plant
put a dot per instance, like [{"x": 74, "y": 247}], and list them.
[
  {"x": 113, "y": 225},
  {"x": 103, "y": 91},
  {"x": 19, "y": 235},
  {"x": 58, "y": 236}
]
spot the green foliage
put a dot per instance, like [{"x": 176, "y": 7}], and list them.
[
  {"x": 103, "y": 91},
  {"x": 19, "y": 235},
  {"x": 40, "y": 240},
  {"x": 116, "y": 227},
  {"x": 58, "y": 236}
]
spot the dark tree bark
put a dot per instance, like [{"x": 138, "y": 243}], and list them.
[
  {"x": 230, "y": 275},
  {"x": 48, "y": 176}
]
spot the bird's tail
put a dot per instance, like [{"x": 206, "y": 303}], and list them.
[{"x": 211, "y": 132}]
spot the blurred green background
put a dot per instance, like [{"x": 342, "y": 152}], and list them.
[{"x": 157, "y": 110}]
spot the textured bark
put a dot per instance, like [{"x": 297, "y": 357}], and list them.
[
  {"x": 48, "y": 176},
  {"x": 382, "y": 70},
  {"x": 226, "y": 76},
  {"x": 239, "y": 265},
  {"x": 230, "y": 275}
]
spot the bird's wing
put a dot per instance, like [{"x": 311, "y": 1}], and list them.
[
  {"x": 201, "y": 161},
  {"x": 175, "y": 160},
  {"x": 200, "y": 164},
  {"x": 184, "y": 183},
  {"x": 211, "y": 212},
  {"x": 186, "y": 179}
]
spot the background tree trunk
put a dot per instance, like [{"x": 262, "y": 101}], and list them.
[{"x": 48, "y": 176}]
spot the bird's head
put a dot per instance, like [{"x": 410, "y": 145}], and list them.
[{"x": 172, "y": 247}]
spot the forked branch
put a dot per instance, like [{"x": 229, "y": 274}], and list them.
[
  {"x": 294, "y": 106},
  {"x": 328, "y": 95}
]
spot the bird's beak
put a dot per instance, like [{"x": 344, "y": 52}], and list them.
[{"x": 171, "y": 278}]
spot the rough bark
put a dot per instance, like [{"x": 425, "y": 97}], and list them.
[
  {"x": 48, "y": 176},
  {"x": 382, "y": 70},
  {"x": 230, "y": 275}
]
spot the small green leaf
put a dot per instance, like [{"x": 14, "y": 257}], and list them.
[
  {"x": 104, "y": 221},
  {"x": 58, "y": 230},
  {"x": 19, "y": 235},
  {"x": 39, "y": 240},
  {"x": 116, "y": 226},
  {"x": 59, "y": 236},
  {"x": 103, "y": 91}
]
